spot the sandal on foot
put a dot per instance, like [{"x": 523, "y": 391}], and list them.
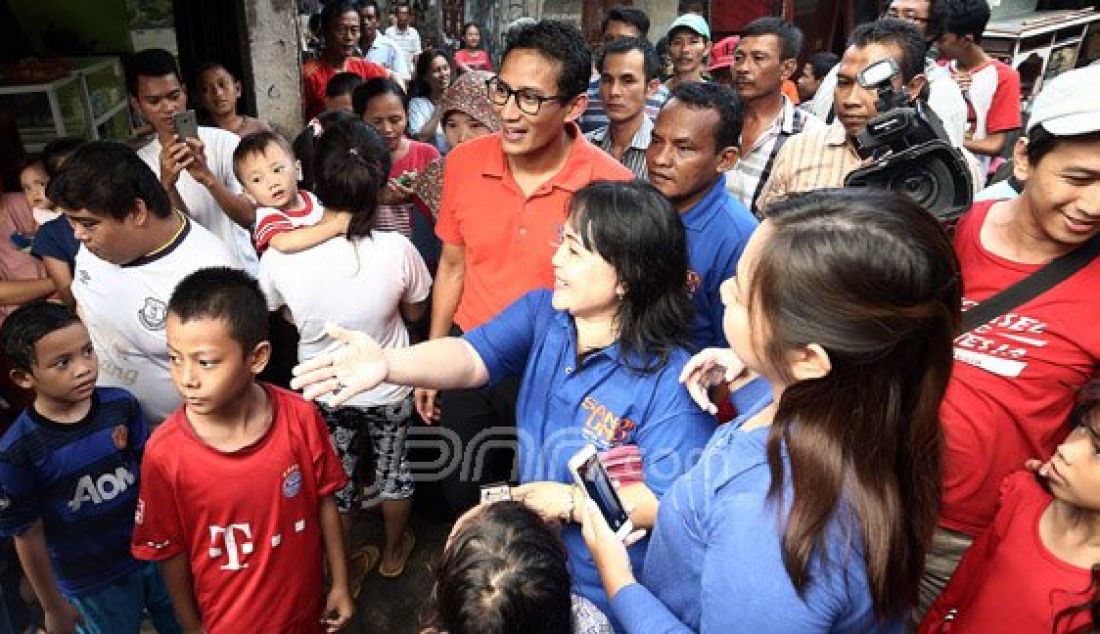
[
  {"x": 362, "y": 561},
  {"x": 408, "y": 541}
]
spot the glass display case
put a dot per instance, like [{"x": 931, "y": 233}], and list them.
[
  {"x": 44, "y": 112},
  {"x": 89, "y": 102}
]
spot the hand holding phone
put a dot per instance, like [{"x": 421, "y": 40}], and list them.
[{"x": 591, "y": 475}]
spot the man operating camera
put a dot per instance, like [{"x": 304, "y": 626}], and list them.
[{"x": 824, "y": 158}]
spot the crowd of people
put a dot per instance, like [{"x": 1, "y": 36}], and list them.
[{"x": 823, "y": 409}]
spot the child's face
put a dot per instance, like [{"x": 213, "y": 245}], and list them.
[
  {"x": 386, "y": 114},
  {"x": 209, "y": 367},
  {"x": 1073, "y": 472},
  {"x": 65, "y": 366},
  {"x": 219, "y": 91},
  {"x": 270, "y": 178},
  {"x": 33, "y": 179}
]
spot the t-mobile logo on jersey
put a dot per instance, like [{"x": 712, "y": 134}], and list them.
[{"x": 233, "y": 541}]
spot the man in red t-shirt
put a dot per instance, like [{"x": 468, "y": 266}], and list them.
[
  {"x": 505, "y": 197},
  {"x": 1015, "y": 378},
  {"x": 236, "y": 499},
  {"x": 340, "y": 25},
  {"x": 990, "y": 88}
]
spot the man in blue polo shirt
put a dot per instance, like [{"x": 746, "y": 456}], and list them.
[{"x": 694, "y": 143}]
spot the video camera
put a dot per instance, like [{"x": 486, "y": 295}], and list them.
[{"x": 910, "y": 151}]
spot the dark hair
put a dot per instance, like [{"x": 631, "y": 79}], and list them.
[
  {"x": 225, "y": 293},
  {"x": 937, "y": 20},
  {"x": 627, "y": 15},
  {"x": 723, "y": 100},
  {"x": 966, "y": 17},
  {"x": 821, "y": 62},
  {"x": 106, "y": 178},
  {"x": 401, "y": 5},
  {"x": 503, "y": 572},
  {"x": 894, "y": 32},
  {"x": 684, "y": 6},
  {"x": 560, "y": 42},
  {"x": 351, "y": 167},
  {"x": 212, "y": 65},
  {"x": 789, "y": 35},
  {"x": 421, "y": 86},
  {"x": 305, "y": 144},
  {"x": 651, "y": 63},
  {"x": 257, "y": 144},
  {"x": 343, "y": 83},
  {"x": 58, "y": 151},
  {"x": 636, "y": 230},
  {"x": 28, "y": 324},
  {"x": 872, "y": 278},
  {"x": 29, "y": 161},
  {"x": 1091, "y": 606},
  {"x": 1041, "y": 142},
  {"x": 334, "y": 10},
  {"x": 376, "y": 87},
  {"x": 363, "y": 4},
  {"x": 466, "y": 27},
  {"x": 152, "y": 62}
]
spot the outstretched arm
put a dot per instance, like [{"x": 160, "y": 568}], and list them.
[{"x": 356, "y": 363}]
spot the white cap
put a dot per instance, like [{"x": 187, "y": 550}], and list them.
[
  {"x": 1069, "y": 104},
  {"x": 693, "y": 22}
]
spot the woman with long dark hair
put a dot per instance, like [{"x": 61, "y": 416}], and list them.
[
  {"x": 598, "y": 359},
  {"x": 434, "y": 73},
  {"x": 812, "y": 510},
  {"x": 370, "y": 280}
]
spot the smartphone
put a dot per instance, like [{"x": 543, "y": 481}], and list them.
[
  {"x": 592, "y": 476},
  {"x": 187, "y": 126},
  {"x": 496, "y": 492}
]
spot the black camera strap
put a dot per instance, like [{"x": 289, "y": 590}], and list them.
[{"x": 1033, "y": 285}]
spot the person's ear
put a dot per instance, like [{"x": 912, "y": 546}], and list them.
[
  {"x": 577, "y": 107},
  {"x": 1021, "y": 166},
  {"x": 297, "y": 170},
  {"x": 237, "y": 86},
  {"x": 259, "y": 357},
  {"x": 652, "y": 86},
  {"x": 810, "y": 362},
  {"x": 788, "y": 68},
  {"x": 727, "y": 158},
  {"x": 22, "y": 378},
  {"x": 139, "y": 213},
  {"x": 915, "y": 86}
]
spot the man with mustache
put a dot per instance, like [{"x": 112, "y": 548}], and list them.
[
  {"x": 689, "y": 46},
  {"x": 766, "y": 56},
  {"x": 824, "y": 157}
]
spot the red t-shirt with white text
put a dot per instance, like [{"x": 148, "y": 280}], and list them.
[
  {"x": 1009, "y": 581},
  {"x": 248, "y": 521},
  {"x": 1014, "y": 379}
]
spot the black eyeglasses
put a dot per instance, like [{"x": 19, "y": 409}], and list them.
[
  {"x": 909, "y": 15},
  {"x": 527, "y": 101}
]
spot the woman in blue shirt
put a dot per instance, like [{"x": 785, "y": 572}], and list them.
[
  {"x": 599, "y": 359},
  {"x": 812, "y": 511}
]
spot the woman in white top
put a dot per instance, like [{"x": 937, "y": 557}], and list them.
[
  {"x": 434, "y": 72},
  {"x": 367, "y": 280}
]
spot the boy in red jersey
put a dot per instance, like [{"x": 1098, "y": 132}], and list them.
[{"x": 236, "y": 499}]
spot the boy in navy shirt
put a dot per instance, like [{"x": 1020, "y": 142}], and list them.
[{"x": 68, "y": 481}]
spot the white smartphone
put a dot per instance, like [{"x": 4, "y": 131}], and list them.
[{"x": 593, "y": 478}]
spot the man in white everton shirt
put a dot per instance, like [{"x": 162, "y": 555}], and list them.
[{"x": 134, "y": 249}]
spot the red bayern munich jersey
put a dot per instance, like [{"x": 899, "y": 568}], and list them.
[{"x": 249, "y": 520}]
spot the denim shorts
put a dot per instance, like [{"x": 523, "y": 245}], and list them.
[{"x": 120, "y": 607}]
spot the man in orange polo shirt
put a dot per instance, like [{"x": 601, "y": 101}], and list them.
[{"x": 505, "y": 197}]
